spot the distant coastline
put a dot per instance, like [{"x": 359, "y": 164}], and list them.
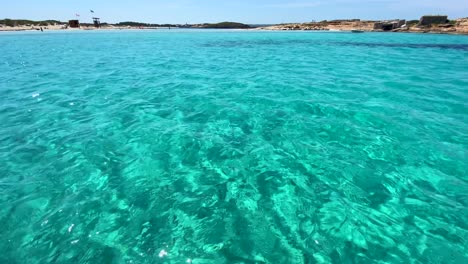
[
  {"x": 436, "y": 24},
  {"x": 427, "y": 24},
  {"x": 23, "y": 25}
]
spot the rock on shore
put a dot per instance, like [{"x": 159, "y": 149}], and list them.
[{"x": 459, "y": 26}]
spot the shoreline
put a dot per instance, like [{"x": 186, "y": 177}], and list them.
[
  {"x": 369, "y": 31},
  {"x": 455, "y": 27},
  {"x": 365, "y": 26},
  {"x": 438, "y": 24},
  {"x": 61, "y": 28},
  {"x": 240, "y": 29}
]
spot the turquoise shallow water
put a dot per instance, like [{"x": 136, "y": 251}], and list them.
[{"x": 233, "y": 147}]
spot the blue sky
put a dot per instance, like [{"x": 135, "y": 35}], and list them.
[{"x": 260, "y": 11}]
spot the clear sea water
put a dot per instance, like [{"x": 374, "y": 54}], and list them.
[{"x": 233, "y": 147}]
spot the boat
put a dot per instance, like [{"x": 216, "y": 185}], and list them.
[{"x": 357, "y": 31}]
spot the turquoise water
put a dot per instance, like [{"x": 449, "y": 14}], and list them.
[{"x": 233, "y": 147}]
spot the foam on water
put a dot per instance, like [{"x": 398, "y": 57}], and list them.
[{"x": 233, "y": 147}]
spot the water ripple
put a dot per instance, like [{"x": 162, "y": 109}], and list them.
[{"x": 233, "y": 147}]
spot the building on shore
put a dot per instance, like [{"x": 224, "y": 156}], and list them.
[
  {"x": 97, "y": 22},
  {"x": 429, "y": 20},
  {"x": 74, "y": 23}
]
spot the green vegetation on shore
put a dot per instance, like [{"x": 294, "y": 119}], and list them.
[
  {"x": 139, "y": 24},
  {"x": 25, "y": 22},
  {"x": 224, "y": 25}
]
